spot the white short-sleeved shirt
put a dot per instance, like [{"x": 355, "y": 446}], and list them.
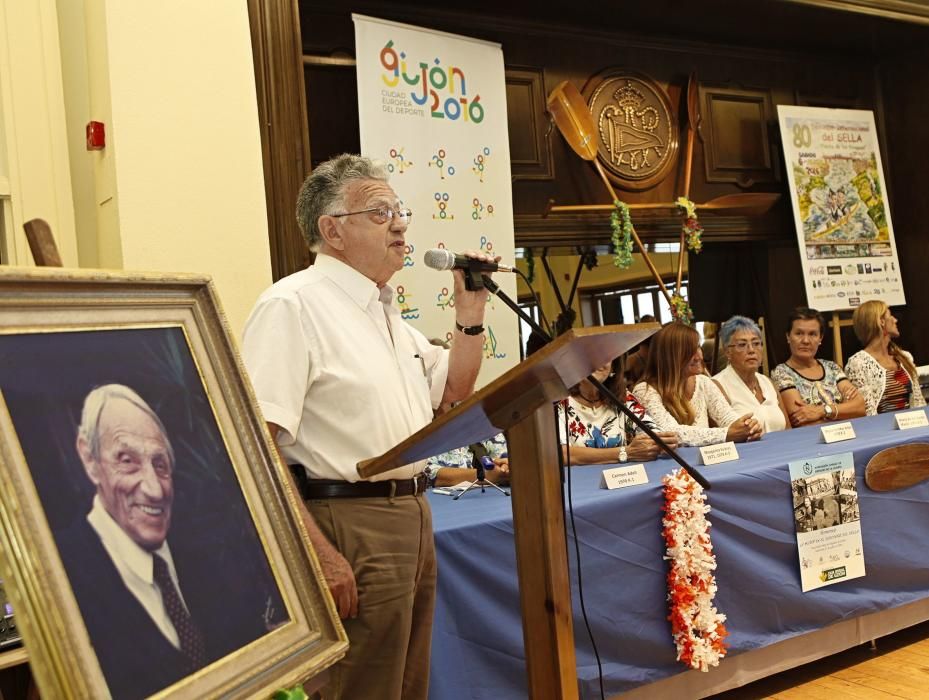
[{"x": 336, "y": 367}]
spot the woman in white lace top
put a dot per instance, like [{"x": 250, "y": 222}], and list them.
[
  {"x": 883, "y": 372},
  {"x": 680, "y": 398}
]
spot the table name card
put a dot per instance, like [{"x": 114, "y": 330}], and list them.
[
  {"x": 838, "y": 432},
  {"x": 911, "y": 419},
  {"x": 717, "y": 454},
  {"x": 623, "y": 477}
]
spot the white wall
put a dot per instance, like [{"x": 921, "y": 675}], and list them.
[
  {"x": 180, "y": 185},
  {"x": 183, "y": 140},
  {"x": 34, "y": 177}
]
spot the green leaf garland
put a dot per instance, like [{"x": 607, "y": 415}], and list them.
[{"x": 621, "y": 223}]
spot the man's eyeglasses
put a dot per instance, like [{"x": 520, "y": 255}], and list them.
[
  {"x": 381, "y": 215},
  {"x": 744, "y": 345}
]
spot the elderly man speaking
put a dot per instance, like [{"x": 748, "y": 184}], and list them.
[{"x": 341, "y": 378}]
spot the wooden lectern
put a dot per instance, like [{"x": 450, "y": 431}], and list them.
[{"x": 520, "y": 403}]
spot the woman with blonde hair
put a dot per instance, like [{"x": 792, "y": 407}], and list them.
[
  {"x": 681, "y": 398},
  {"x": 883, "y": 372}
]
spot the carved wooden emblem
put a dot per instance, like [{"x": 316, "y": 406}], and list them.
[{"x": 638, "y": 131}]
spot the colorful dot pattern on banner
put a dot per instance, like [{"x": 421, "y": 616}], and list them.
[
  {"x": 481, "y": 162},
  {"x": 445, "y": 299},
  {"x": 441, "y": 164},
  {"x": 407, "y": 312},
  {"x": 443, "y": 212},
  {"x": 398, "y": 163}
]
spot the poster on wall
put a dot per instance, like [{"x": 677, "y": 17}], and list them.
[
  {"x": 840, "y": 207},
  {"x": 432, "y": 106},
  {"x": 827, "y": 519}
]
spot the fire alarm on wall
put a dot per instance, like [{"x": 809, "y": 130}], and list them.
[{"x": 96, "y": 137}]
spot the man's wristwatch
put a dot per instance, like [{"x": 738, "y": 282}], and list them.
[
  {"x": 622, "y": 454},
  {"x": 469, "y": 330},
  {"x": 828, "y": 410}
]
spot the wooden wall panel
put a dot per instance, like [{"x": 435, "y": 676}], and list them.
[
  {"x": 737, "y": 137},
  {"x": 530, "y": 128},
  {"x": 905, "y": 115}
]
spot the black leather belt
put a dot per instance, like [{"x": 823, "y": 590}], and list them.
[{"x": 318, "y": 489}]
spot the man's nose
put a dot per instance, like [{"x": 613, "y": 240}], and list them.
[{"x": 151, "y": 485}]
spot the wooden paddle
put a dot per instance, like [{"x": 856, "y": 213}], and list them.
[
  {"x": 693, "y": 121},
  {"x": 898, "y": 467},
  {"x": 576, "y": 124},
  {"x": 745, "y": 204}
]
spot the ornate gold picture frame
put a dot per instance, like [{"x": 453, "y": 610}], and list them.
[{"x": 129, "y": 435}]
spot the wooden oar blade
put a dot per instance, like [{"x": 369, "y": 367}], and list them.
[
  {"x": 898, "y": 467},
  {"x": 573, "y": 119}
]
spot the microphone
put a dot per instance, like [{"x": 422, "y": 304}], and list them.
[
  {"x": 441, "y": 259},
  {"x": 480, "y": 457}
]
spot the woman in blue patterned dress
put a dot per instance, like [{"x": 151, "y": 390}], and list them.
[{"x": 814, "y": 390}]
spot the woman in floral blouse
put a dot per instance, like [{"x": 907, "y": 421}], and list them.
[{"x": 597, "y": 431}]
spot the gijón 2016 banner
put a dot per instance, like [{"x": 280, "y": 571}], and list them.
[
  {"x": 432, "y": 106},
  {"x": 840, "y": 207}
]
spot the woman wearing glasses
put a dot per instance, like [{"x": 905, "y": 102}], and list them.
[
  {"x": 813, "y": 390},
  {"x": 747, "y": 390},
  {"x": 883, "y": 372}
]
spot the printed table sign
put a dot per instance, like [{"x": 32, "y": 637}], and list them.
[
  {"x": 838, "y": 432},
  {"x": 827, "y": 519},
  {"x": 717, "y": 454},
  {"x": 911, "y": 419},
  {"x": 621, "y": 477}
]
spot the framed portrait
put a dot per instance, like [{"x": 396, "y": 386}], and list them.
[{"x": 149, "y": 539}]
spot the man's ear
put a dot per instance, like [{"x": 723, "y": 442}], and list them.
[
  {"x": 330, "y": 232},
  {"x": 90, "y": 464}
]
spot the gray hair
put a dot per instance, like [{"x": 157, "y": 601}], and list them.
[
  {"x": 736, "y": 324},
  {"x": 96, "y": 401},
  {"x": 323, "y": 191}
]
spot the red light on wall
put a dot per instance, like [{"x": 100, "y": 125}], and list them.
[{"x": 96, "y": 137}]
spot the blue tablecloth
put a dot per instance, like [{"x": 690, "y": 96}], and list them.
[{"x": 478, "y": 651}]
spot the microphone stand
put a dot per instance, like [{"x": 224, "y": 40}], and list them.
[
  {"x": 486, "y": 282},
  {"x": 481, "y": 480}
]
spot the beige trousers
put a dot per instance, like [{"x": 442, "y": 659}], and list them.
[{"x": 389, "y": 544}]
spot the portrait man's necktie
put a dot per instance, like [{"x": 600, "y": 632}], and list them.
[{"x": 190, "y": 636}]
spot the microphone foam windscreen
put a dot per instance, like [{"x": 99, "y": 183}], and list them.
[{"x": 439, "y": 259}]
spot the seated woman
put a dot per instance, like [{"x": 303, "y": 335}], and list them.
[
  {"x": 813, "y": 390},
  {"x": 883, "y": 372},
  {"x": 747, "y": 390},
  {"x": 598, "y": 433},
  {"x": 681, "y": 399},
  {"x": 452, "y": 467}
]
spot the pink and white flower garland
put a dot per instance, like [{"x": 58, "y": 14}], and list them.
[{"x": 696, "y": 626}]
